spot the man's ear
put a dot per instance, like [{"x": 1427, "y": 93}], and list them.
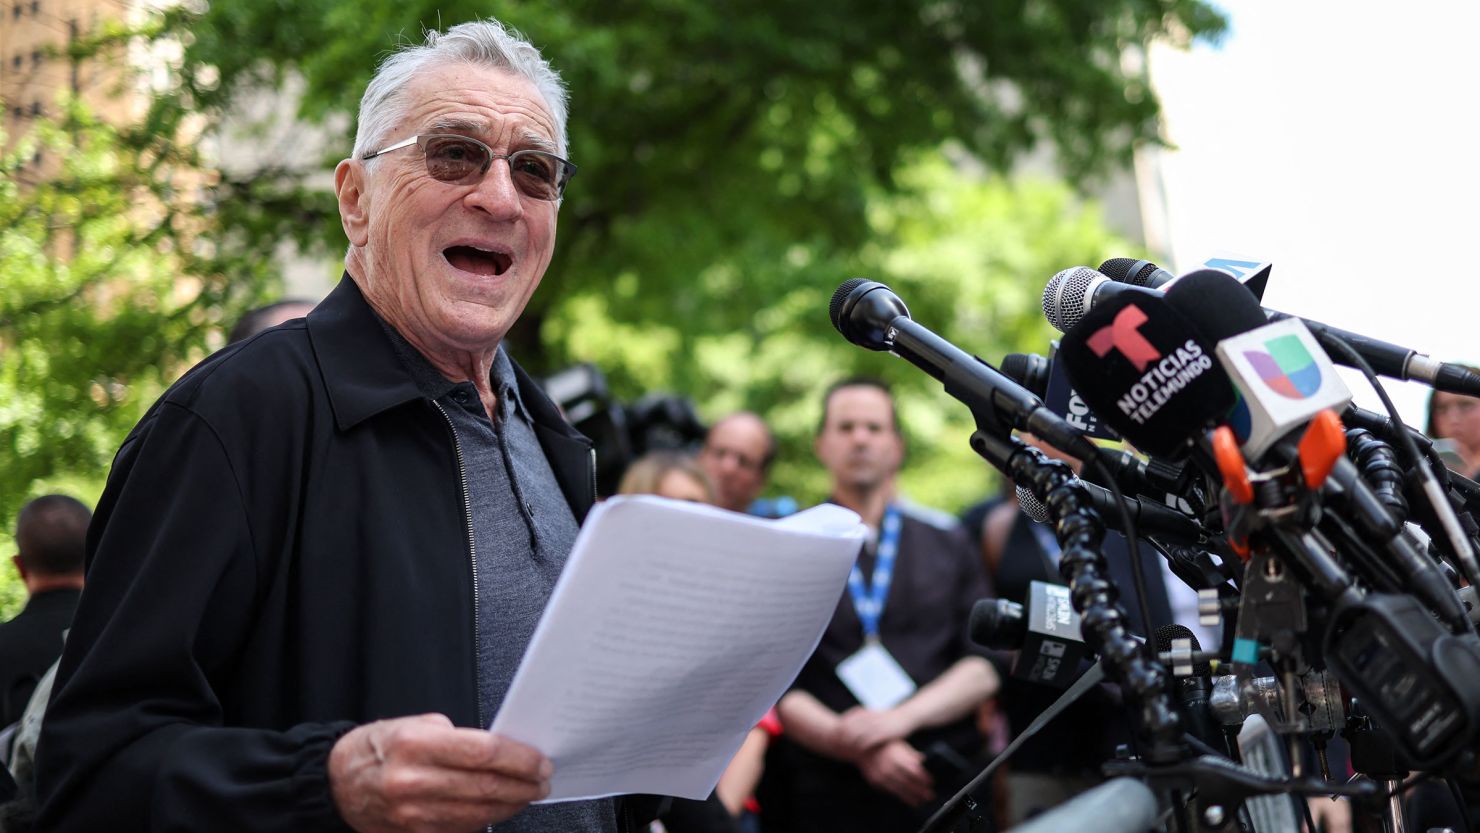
[
  {"x": 349, "y": 188},
  {"x": 20, "y": 566}
]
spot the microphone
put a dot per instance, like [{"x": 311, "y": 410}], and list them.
[
  {"x": 1261, "y": 750},
  {"x": 1073, "y": 292},
  {"x": 1194, "y": 682},
  {"x": 1286, "y": 379},
  {"x": 1149, "y": 517},
  {"x": 1029, "y": 370},
  {"x": 1136, "y": 272},
  {"x": 1283, "y": 376},
  {"x": 1147, "y": 371},
  {"x": 1045, "y": 633},
  {"x": 1046, "y": 379},
  {"x": 1147, "y": 477},
  {"x": 870, "y": 315}
]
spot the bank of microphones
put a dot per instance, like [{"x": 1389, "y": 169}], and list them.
[{"x": 1331, "y": 554}]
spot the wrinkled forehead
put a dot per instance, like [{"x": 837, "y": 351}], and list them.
[{"x": 483, "y": 102}]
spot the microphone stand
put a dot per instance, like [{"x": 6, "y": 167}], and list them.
[{"x": 1131, "y": 664}]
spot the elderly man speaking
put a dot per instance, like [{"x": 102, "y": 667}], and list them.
[{"x": 322, "y": 553}]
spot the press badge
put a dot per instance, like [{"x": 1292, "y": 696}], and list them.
[{"x": 875, "y": 677}]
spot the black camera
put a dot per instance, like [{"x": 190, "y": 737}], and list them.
[{"x": 622, "y": 433}]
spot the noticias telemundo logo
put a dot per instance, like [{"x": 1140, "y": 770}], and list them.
[{"x": 1287, "y": 368}]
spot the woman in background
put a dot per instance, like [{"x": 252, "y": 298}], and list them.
[
  {"x": 669, "y": 474},
  {"x": 1456, "y": 419}
]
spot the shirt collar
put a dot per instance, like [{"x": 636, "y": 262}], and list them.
[{"x": 433, "y": 385}]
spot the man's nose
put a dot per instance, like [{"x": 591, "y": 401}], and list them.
[{"x": 496, "y": 192}]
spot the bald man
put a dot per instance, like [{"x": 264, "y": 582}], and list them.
[{"x": 737, "y": 456}]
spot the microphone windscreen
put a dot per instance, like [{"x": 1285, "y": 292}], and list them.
[
  {"x": 1147, "y": 371},
  {"x": 997, "y": 623},
  {"x": 840, "y": 298},
  {"x": 1031, "y": 505},
  {"x": 1135, "y": 272},
  {"x": 1216, "y": 304}
]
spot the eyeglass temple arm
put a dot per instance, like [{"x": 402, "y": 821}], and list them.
[{"x": 397, "y": 146}]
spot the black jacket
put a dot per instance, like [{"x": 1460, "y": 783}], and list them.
[
  {"x": 281, "y": 553},
  {"x": 29, "y": 644}
]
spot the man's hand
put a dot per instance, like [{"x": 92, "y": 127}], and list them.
[
  {"x": 423, "y": 774},
  {"x": 859, "y": 730},
  {"x": 898, "y": 769}
]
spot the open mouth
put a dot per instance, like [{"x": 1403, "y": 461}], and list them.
[{"x": 478, "y": 261}]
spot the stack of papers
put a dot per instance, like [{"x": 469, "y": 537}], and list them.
[{"x": 672, "y": 630}]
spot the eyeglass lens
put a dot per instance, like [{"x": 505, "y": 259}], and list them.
[{"x": 460, "y": 160}]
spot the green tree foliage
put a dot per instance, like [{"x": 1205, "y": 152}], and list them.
[
  {"x": 969, "y": 255},
  {"x": 113, "y": 284},
  {"x": 739, "y": 159},
  {"x": 711, "y": 131}
]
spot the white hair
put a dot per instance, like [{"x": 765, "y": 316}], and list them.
[{"x": 485, "y": 42}]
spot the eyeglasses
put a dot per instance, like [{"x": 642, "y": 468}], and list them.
[
  {"x": 462, "y": 160},
  {"x": 742, "y": 460}
]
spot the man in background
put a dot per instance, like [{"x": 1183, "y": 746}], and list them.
[
  {"x": 266, "y": 317},
  {"x": 50, "y": 533},
  {"x": 880, "y": 720},
  {"x": 737, "y": 456}
]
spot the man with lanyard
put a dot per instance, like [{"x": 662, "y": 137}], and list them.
[{"x": 880, "y": 719}]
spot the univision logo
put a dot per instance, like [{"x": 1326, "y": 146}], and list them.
[{"x": 1288, "y": 368}]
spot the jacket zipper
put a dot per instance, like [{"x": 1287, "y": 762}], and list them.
[{"x": 462, "y": 474}]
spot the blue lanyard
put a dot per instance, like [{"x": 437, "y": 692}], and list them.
[{"x": 869, "y": 600}]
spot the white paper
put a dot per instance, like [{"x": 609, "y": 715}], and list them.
[{"x": 671, "y": 632}]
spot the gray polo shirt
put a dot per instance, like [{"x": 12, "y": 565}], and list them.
[{"x": 522, "y": 530}]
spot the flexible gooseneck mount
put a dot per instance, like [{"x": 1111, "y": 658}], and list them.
[{"x": 1080, "y": 532}]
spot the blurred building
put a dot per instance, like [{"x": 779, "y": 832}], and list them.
[
  {"x": 259, "y": 137},
  {"x": 35, "y": 66}
]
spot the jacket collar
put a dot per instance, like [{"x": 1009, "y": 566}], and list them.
[
  {"x": 362, "y": 373},
  {"x": 364, "y": 376}
]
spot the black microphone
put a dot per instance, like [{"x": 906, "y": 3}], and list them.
[
  {"x": 1044, "y": 631},
  {"x": 1073, "y": 292},
  {"x": 1150, "y": 518},
  {"x": 1029, "y": 370},
  {"x": 1148, "y": 372},
  {"x": 870, "y": 315},
  {"x": 1047, "y": 381},
  {"x": 1136, "y": 272},
  {"x": 1193, "y": 683},
  {"x": 1150, "y": 476}
]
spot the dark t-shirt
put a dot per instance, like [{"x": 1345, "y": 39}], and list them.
[{"x": 938, "y": 576}]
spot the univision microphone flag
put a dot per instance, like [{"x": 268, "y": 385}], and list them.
[{"x": 1284, "y": 379}]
